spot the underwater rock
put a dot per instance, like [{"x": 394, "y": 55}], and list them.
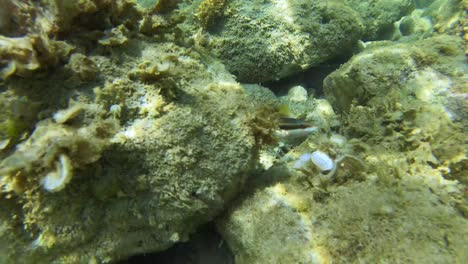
[
  {"x": 173, "y": 165},
  {"x": 413, "y": 93},
  {"x": 273, "y": 226},
  {"x": 14, "y": 16},
  {"x": 298, "y": 94},
  {"x": 160, "y": 6},
  {"x": 447, "y": 16},
  {"x": 18, "y": 117},
  {"x": 384, "y": 67},
  {"x": 261, "y": 41},
  {"x": 413, "y": 27},
  {"x": 287, "y": 222},
  {"x": 210, "y": 11},
  {"x": 54, "y": 150},
  {"x": 430, "y": 18},
  {"x": 378, "y": 16},
  {"x": 82, "y": 68},
  {"x": 261, "y": 95},
  {"x": 154, "y": 142},
  {"x": 63, "y": 15},
  {"x": 402, "y": 146},
  {"x": 382, "y": 190},
  {"x": 264, "y": 41},
  {"x": 31, "y": 30},
  {"x": 23, "y": 56}
]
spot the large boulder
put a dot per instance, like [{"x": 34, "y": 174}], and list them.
[
  {"x": 385, "y": 67},
  {"x": 261, "y": 41},
  {"x": 396, "y": 190},
  {"x": 126, "y": 149}
]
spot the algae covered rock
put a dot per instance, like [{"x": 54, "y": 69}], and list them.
[
  {"x": 126, "y": 149},
  {"x": 384, "y": 67},
  {"x": 401, "y": 149},
  {"x": 378, "y": 16},
  {"x": 289, "y": 222},
  {"x": 30, "y": 31},
  {"x": 410, "y": 93},
  {"x": 23, "y": 56},
  {"x": 273, "y": 226},
  {"x": 398, "y": 155},
  {"x": 262, "y": 41},
  {"x": 431, "y": 18},
  {"x": 181, "y": 154},
  {"x": 266, "y": 40}
]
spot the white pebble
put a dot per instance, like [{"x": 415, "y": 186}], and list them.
[{"x": 297, "y": 94}]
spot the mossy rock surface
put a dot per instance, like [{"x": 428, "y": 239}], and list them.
[
  {"x": 150, "y": 140},
  {"x": 260, "y": 41}
]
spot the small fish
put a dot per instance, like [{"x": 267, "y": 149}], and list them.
[{"x": 288, "y": 123}]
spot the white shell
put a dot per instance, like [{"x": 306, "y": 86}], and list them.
[
  {"x": 322, "y": 161},
  {"x": 56, "y": 180},
  {"x": 319, "y": 158}
]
